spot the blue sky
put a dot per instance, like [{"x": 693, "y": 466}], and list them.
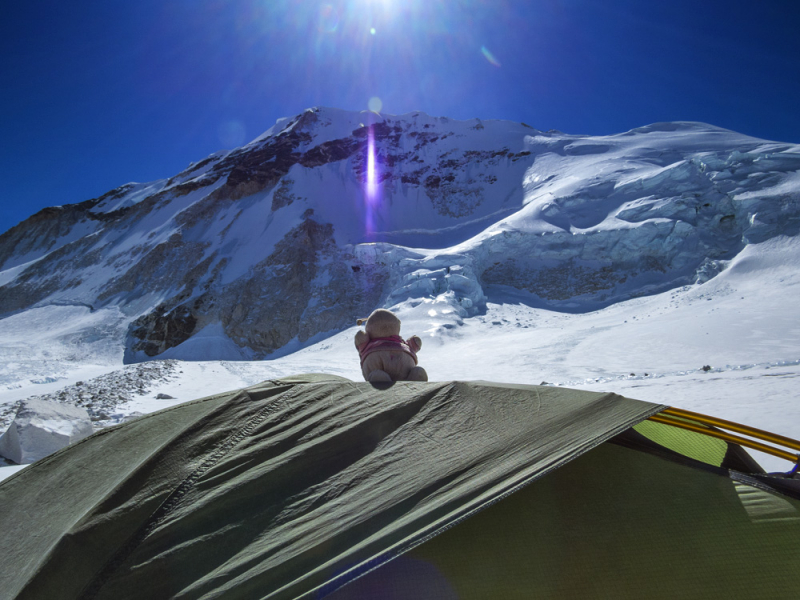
[{"x": 95, "y": 93}]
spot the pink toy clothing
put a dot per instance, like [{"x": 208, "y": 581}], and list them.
[{"x": 394, "y": 342}]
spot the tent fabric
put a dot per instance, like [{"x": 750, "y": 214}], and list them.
[
  {"x": 614, "y": 523},
  {"x": 668, "y": 441},
  {"x": 287, "y": 489}
]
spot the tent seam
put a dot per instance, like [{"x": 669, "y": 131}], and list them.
[{"x": 175, "y": 498}]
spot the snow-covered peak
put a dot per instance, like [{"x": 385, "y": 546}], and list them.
[
  {"x": 332, "y": 213},
  {"x": 324, "y": 124}
]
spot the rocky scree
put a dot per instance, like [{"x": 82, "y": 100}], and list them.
[{"x": 102, "y": 395}]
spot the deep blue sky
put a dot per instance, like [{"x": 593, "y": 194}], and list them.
[{"x": 96, "y": 93}]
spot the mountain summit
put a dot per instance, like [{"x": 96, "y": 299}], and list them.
[{"x": 331, "y": 214}]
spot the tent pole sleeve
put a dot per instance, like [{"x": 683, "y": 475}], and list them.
[
  {"x": 728, "y": 437},
  {"x": 737, "y": 427}
]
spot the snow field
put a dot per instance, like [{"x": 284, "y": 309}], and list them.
[{"x": 743, "y": 324}]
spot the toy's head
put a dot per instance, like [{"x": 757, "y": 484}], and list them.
[{"x": 382, "y": 323}]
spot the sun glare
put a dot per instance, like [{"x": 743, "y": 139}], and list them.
[{"x": 489, "y": 56}]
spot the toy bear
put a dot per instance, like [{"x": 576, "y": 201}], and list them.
[{"x": 385, "y": 356}]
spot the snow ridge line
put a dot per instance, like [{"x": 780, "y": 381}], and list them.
[{"x": 648, "y": 375}]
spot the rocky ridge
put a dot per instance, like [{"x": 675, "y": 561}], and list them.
[{"x": 102, "y": 395}]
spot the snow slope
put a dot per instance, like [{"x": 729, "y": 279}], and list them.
[{"x": 742, "y": 323}]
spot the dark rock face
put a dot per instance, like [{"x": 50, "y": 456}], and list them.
[
  {"x": 195, "y": 184},
  {"x": 41, "y": 231},
  {"x": 329, "y": 152},
  {"x": 192, "y": 168},
  {"x": 283, "y": 195},
  {"x": 251, "y": 170},
  {"x": 175, "y": 264},
  {"x": 281, "y": 300},
  {"x": 159, "y": 330}
]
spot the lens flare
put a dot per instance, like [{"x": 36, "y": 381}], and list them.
[
  {"x": 489, "y": 56},
  {"x": 371, "y": 184},
  {"x": 328, "y": 19},
  {"x": 231, "y": 133},
  {"x": 371, "y": 175}
]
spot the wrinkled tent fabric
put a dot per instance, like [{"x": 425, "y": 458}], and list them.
[
  {"x": 614, "y": 523},
  {"x": 286, "y": 489}
]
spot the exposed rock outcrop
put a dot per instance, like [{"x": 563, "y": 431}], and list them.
[{"x": 307, "y": 285}]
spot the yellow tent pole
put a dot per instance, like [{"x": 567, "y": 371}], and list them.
[
  {"x": 728, "y": 437},
  {"x": 737, "y": 427}
]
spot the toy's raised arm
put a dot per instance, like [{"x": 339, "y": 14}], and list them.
[{"x": 362, "y": 337}]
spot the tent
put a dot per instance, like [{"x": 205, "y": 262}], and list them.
[{"x": 316, "y": 486}]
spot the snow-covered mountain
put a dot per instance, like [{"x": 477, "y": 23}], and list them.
[
  {"x": 331, "y": 214},
  {"x": 624, "y": 263}
]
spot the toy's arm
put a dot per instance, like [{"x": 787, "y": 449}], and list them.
[
  {"x": 362, "y": 337},
  {"x": 414, "y": 343}
]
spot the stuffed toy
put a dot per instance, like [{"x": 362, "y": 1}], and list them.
[{"x": 385, "y": 356}]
